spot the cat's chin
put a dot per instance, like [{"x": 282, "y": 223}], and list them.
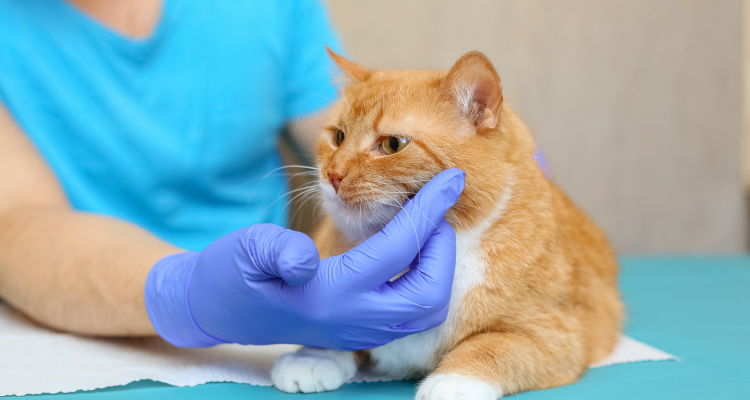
[{"x": 357, "y": 221}]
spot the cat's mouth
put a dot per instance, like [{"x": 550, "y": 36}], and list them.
[
  {"x": 366, "y": 197},
  {"x": 363, "y": 210}
]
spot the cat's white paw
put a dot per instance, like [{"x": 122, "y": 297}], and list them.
[
  {"x": 456, "y": 387},
  {"x": 311, "y": 370}
]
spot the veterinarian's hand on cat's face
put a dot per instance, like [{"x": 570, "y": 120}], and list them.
[{"x": 264, "y": 284}]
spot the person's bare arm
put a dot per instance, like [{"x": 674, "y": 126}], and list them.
[
  {"x": 305, "y": 132},
  {"x": 67, "y": 270}
]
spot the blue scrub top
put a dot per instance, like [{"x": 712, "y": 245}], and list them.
[{"x": 178, "y": 132}]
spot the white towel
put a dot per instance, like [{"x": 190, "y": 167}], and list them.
[{"x": 35, "y": 360}]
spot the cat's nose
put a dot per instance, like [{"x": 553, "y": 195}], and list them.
[{"x": 335, "y": 180}]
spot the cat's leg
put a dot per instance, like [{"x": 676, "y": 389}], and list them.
[
  {"x": 489, "y": 365},
  {"x": 312, "y": 370}
]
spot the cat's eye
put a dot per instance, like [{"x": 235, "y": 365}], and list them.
[
  {"x": 393, "y": 144},
  {"x": 339, "y": 137}
]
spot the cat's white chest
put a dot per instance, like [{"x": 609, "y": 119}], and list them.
[
  {"x": 318, "y": 370},
  {"x": 417, "y": 353}
]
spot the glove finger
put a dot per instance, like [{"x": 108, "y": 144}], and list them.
[
  {"x": 430, "y": 279},
  {"x": 419, "y": 299},
  {"x": 427, "y": 322},
  {"x": 389, "y": 251},
  {"x": 284, "y": 253}
]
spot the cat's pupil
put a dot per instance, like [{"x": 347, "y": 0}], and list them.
[
  {"x": 339, "y": 137},
  {"x": 393, "y": 143}
]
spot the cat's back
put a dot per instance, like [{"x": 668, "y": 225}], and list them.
[{"x": 593, "y": 275}]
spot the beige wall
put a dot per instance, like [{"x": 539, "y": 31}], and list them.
[{"x": 637, "y": 103}]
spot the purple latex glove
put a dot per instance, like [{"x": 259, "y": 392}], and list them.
[
  {"x": 265, "y": 284},
  {"x": 541, "y": 160}
]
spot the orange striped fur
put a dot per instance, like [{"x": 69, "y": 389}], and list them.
[{"x": 535, "y": 298}]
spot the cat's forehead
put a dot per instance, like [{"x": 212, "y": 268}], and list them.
[
  {"x": 386, "y": 119},
  {"x": 393, "y": 103},
  {"x": 397, "y": 86}
]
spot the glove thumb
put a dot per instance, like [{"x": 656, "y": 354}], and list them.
[{"x": 284, "y": 253}]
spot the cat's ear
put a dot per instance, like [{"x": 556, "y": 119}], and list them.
[
  {"x": 474, "y": 85},
  {"x": 355, "y": 71}
]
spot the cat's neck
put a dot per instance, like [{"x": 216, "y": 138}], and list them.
[{"x": 503, "y": 184}]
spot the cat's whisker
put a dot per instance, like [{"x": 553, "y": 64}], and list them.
[
  {"x": 307, "y": 190},
  {"x": 307, "y": 186},
  {"x": 299, "y": 207},
  {"x": 290, "y": 175},
  {"x": 304, "y": 197},
  {"x": 273, "y": 172},
  {"x": 474, "y": 188},
  {"x": 305, "y": 173},
  {"x": 360, "y": 218},
  {"x": 419, "y": 250},
  {"x": 365, "y": 199},
  {"x": 293, "y": 166},
  {"x": 301, "y": 195},
  {"x": 315, "y": 209},
  {"x": 379, "y": 211},
  {"x": 415, "y": 206},
  {"x": 276, "y": 172},
  {"x": 483, "y": 192},
  {"x": 301, "y": 167},
  {"x": 457, "y": 202},
  {"x": 302, "y": 187}
]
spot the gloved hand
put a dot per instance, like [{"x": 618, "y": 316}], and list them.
[{"x": 265, "y": 284}]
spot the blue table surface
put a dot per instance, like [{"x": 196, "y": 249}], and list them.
[{"x": 697, "y": 308}]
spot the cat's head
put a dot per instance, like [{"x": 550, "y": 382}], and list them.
[{"x": 392, "y": 131}]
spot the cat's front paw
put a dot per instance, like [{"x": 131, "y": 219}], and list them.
[
  {"x": 312, "y": 370},
  {"x": 456, "y": 387}
]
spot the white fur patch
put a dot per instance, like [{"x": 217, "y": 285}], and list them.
[
  {"x": 312, "y": 370},
  {"x": 456, "y": 387},
  {"x": 357, "y": 224},
  {"x": 464, "y": 94},
  {"x": 417, "y": 353}
]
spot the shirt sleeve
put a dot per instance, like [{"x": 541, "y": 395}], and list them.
[{"x": 309, "y": 71}]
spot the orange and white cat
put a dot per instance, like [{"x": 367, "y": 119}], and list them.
[{"x": 535, "y": 296}]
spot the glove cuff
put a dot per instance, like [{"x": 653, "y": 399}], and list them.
[{"x": 167, "y": 301}]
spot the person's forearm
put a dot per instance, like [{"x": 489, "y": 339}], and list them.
[
  {"x": 305, "y": 133},
  {"x": 77, "y": 272}
]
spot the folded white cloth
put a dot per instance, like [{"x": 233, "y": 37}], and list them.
[{"x": 36, "y": 360}]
